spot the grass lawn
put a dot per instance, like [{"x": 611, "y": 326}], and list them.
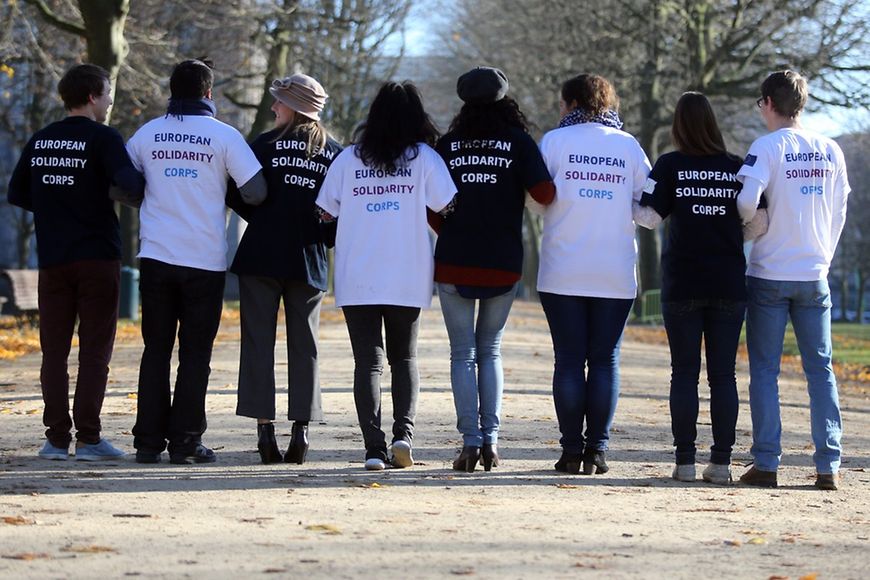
[{"x": 851, "y": 343}]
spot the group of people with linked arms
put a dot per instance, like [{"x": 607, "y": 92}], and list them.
[{"x": 375, "y": 201}]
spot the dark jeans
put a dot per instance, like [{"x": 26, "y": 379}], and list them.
[
  {"x": 586, "y": 334},
  {"x": 719, "y": 323},
  {"x": 187, "y": 301},
  {"x": 364, "y": 324},
  {"x": 87, "y": 290},
  {"x": 260, "y": 299}
]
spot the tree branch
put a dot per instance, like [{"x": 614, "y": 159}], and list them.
[{"x": 57, "y": 21}]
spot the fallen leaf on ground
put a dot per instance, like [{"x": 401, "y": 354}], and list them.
[
  {"x": 735, "y": 543},
  {"x": 133, "y": 516},
  {"x": 566, "y": 486},
  {"x": 756, "y": 541},
  {"x": 18, "y": 521},
  {"x": 463, "y": 572},
  {"x": 327, "y": 529},
  {"x": 372, "y": 485},
  {"x": 778, "y": 578},
  {"x": 92, "y": 549},
  {"x": 132, "y": 395},
  {"x": 27, "y": 556},
  {"x": 811, "y": 576},
  {"x": 753, "y": 532}
]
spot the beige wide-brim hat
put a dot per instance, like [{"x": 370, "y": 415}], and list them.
[{"x": 301, "y": 93}]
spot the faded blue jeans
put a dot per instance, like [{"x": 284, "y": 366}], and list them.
[
  {"x": 476, "y": 374},
  {"x": 586, "y": 337},
  {"x": 808, "y": 304}
]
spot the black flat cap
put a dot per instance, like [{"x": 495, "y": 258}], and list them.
[{"x": 482, "y": 85}]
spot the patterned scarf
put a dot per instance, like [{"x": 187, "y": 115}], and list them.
[{"x": 607, "y": 118}]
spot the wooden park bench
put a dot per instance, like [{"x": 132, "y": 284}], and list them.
[{"x": 24, "y": 302}]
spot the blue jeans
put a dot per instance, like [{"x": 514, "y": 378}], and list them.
[
  {"x": 586, "y": 332},
  {"x": 719, "y": 323},
  {"x": 808, "y": 304},
  {"x": 476, "y": 373}
]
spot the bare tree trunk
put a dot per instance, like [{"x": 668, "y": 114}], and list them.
[
  {"x": 862, "y": 287},
  {"x": 276, "y": 67},
  {"x": 844, "y": 295},
  {"x": 104, "y": 22},
  {"x": 650, "y": 110}
]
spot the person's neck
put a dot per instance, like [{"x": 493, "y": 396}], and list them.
[
  {"x": 779, "y": 122},
  {"x": 82, "y": 112}
]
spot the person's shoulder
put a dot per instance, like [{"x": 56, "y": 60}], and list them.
[
  {"x": 670, "y": 159},
  {"x": 517, "y": 135},
  {"x": 732, "y": 161},
  {"x": 345, "y": 156},
  {"x": 266, "y": 137},
  {"x": 428, "y": 153},
  {"x": 216, "y": 124},
  {"x": 106, "y": 131},
  {"x": 772, "y": 139},
  {"x": 333, "y": 145},
  {"x": 150, "y": 126}
]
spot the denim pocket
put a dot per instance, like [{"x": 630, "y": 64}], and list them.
[{"x": 764, "y": 291}]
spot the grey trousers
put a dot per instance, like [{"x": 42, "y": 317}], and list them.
[
  {"x": 260, "y": 299},
  {"x": 365, "y": 324}
]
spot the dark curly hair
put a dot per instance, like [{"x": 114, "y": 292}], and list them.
[
  {"x": 475, "y": 121},
  {"x": 396, "y": 123}
]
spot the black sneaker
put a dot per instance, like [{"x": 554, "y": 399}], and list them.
[
  {"x": 147, "y": 456},
  {"x": 199, "y": 454}
]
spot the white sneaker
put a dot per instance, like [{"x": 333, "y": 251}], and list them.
[
  {"x": 375, "y": 464},
  {"x": 684, "y": 472},
  {"x": 719, "y": 474},
  {"x": 402, "y": 454}
]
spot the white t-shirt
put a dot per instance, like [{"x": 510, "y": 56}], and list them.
[
  {"x": 588, "y": 246},
  {"x": 806, "y": 186},
  {"x": 186, "y": 164},
  {"x": 383, "y": 254}
]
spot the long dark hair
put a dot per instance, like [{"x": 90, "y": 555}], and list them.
[
  {"x": 475, "y": 121},
  {"x": 396, "y": 123},
  {"x": 695, "y": 131}
]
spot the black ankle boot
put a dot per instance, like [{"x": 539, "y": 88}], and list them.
[
  {"x": 569, "y": 463},
  {"x": 467, "y": 460},
  {"x": 298, "y": 448},
  {"x": 490, "y": 456},
  {"x": 593, "y": 460},
  {"x": 266, "y": 444}
]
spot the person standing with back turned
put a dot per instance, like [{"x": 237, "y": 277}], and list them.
[
  {"x": 803, "y": 176},
  {"x": 63, "y": 177},
  {"x": 187, "y": 156},
  {"x": 479, "y": 255}
]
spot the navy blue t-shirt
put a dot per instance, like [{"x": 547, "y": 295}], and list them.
[
  {"x": 284, "y": 238},
  {"x": 492, "y": 176},
  {"x": 703, "y": 252},
  {"x": 63, "y": 177}
]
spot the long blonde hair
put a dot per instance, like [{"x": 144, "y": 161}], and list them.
[{"x": 312, "y": 132}]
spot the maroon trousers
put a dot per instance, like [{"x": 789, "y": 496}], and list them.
[{"x": 86, "y": 290}]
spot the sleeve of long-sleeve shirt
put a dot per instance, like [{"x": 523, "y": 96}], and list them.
[
  {"x": 329, "y": 197},
  {"x": 749, "y": 198},
  {"x": 19, "y": 193},
  {"x": 840, "y": 202}
]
